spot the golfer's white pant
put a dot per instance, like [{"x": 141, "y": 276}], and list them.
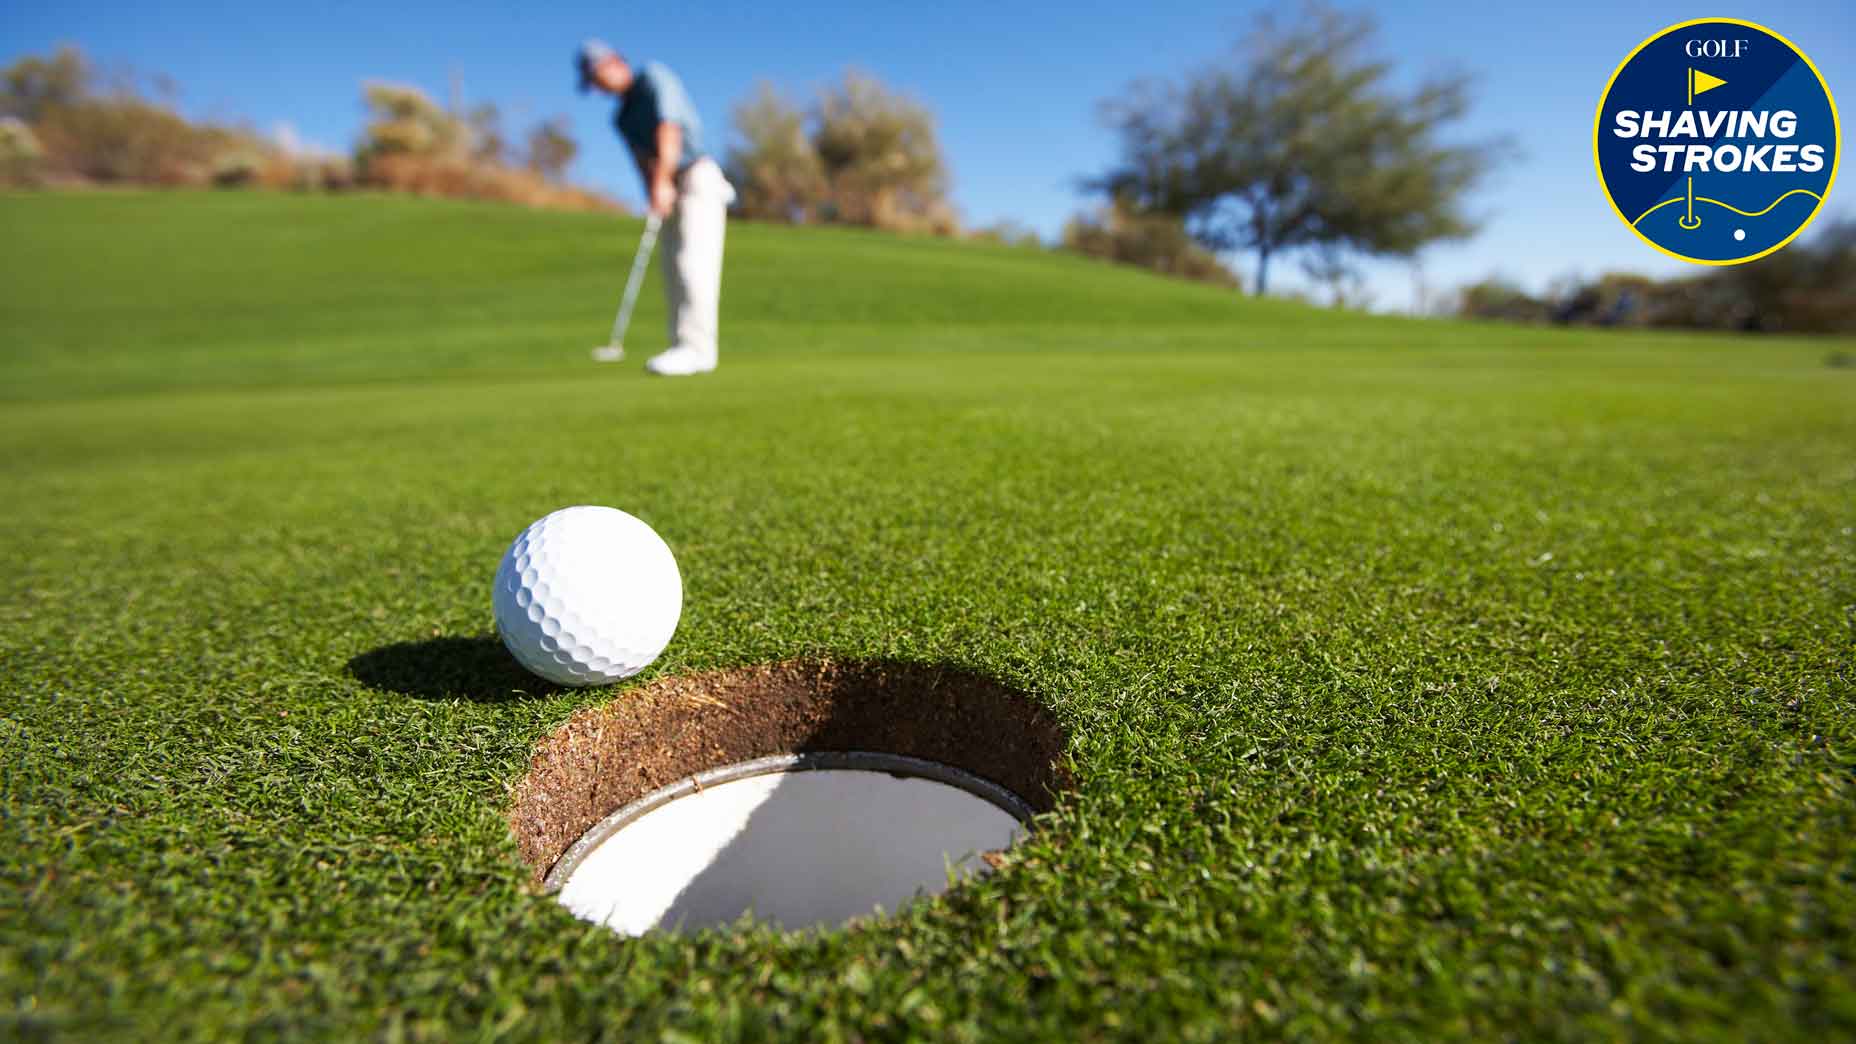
[{"x": 692, "y": 249}]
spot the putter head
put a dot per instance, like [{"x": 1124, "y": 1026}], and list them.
[{"x": 609, "y": 353}]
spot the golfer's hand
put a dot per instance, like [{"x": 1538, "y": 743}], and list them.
[{"x": 663, "y": 197}]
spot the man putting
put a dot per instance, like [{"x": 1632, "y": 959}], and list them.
[{"x": 687, "y": 192}]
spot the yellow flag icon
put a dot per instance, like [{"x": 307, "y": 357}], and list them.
[{"x": 1701, "y": 83}]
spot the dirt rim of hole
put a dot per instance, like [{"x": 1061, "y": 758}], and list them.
[{"x": 676, "y": 727}]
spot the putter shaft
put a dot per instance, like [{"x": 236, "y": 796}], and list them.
[{"x": 640, "y": 261}]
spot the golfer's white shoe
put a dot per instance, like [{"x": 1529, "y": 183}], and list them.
[
  {"x": 608, "y": 353},
  {"x": 681, "y": 361}
]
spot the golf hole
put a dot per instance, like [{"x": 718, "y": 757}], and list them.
[
  {"x": 802, "y": 795},
  {"x": 794, "y": 841}
]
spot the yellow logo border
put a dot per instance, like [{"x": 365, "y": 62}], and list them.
[{"x": 1598, "y": 119}]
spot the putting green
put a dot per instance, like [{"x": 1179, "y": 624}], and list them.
[{"x": 1422, "y": 680}]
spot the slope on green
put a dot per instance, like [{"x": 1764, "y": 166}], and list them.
[{"x": 1424, "y": 680}]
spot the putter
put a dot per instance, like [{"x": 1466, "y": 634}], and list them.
[{"x": 614, "y": 348}]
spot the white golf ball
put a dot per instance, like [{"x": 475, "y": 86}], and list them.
[{"x": 587, "y": 595}]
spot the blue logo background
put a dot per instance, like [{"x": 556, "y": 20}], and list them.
[{"x": 1769, "y": 76}]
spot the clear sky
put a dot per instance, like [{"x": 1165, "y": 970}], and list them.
[{"x": 1015, "y": 85}]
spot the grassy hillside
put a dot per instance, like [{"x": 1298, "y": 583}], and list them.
[
  {"x": 137, "y": 292},
  {"x": 1423, "y": 680}
]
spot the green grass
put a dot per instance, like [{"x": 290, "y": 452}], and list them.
[{"x": 1424, "y": 680}]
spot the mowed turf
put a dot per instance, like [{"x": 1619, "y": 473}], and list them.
[{"x": 1423, "y": 680}]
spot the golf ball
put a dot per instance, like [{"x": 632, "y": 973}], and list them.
[{"x": 587, "y": 595}]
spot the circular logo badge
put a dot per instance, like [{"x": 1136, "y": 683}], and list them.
[{"x": 1717, "y": 141}]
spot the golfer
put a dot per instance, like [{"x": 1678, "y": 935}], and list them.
[{"x": 687, "y": 192}]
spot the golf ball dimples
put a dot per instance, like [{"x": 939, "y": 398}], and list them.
[{"x": 587, "y": 595}]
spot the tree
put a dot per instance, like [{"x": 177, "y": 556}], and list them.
[
  {"x": 551, "y": 148},
  {"x": 775, "y": 167},
  {"x": 485, "y": 124},
  {"x": 406, "y": 119},
  {"x": 1327, "y": 267},
  {"x": 881, "y": 157},
  {"x": 862, "y": 155},
  {"x": 33, "y": 85},
  {"x": 1300, "y": 141}
]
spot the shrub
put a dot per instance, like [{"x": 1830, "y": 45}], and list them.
[
  {"x": 1122, "y": 234},
  {"x": 32, "y": 85},
  {"x": 1496, "y": 298},
  {"x": 237, "y": 170},
  {"x": 54, "y": 127},
  {"x": 863, "y": 155},
  {"x": 412, "y": 145},
  {"x": 459, "y": 177},
  {"x": 881, "y": 158},
  {"x": 406, "y": 120},
  {"x": 775, "y": 168},
  {"x": 1007, "y": 233},
  {"x": 21, "y": 158},
  {"x": 127, "y": 139},
  {"x": 84, "y": 135},
  {"x": 1809, "y": 287}
]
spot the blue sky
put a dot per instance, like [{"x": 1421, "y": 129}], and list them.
[{"x": 1015, "y": 86}]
